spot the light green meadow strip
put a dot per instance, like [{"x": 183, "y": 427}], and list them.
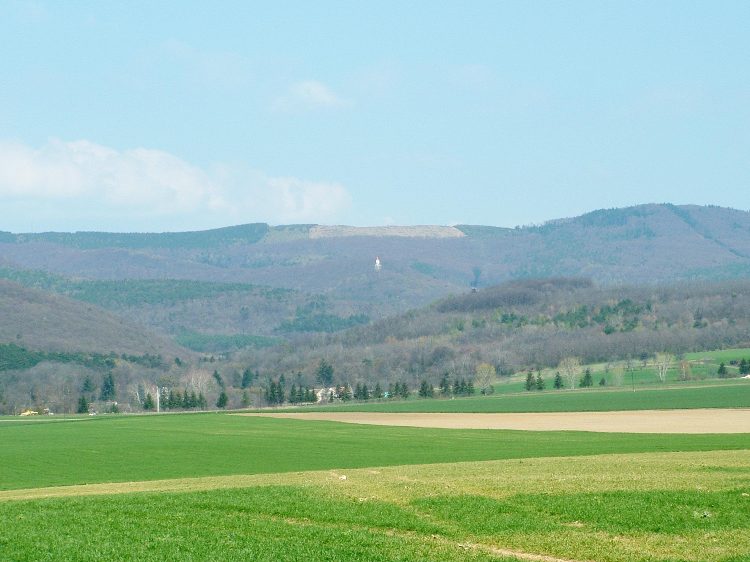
[{"x": 609, "y": 508}]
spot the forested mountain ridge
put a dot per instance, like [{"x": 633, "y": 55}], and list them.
[{"x": 236, "y": 283}]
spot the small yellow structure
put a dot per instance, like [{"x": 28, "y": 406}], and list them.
[{"x": 29, "y": 412}]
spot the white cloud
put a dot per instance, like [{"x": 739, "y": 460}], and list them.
[
  {"x": 98, "y": 181},
  {"x": 308, "y": 94}
]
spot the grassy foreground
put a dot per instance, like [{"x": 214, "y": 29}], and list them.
[
  {"x": 116, "y": 449},
  {"x": 618, "y": 508}
]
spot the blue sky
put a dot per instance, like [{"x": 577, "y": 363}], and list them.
[{"x": 187, "y": 115}]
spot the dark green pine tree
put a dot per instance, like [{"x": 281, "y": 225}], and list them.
[
  {"x": 530, "y": 382},
  {"x": 108, "y": 387},
  {"x": 293, "y": 394},
  {"x": 745, "y": 367},
  {"x": 459, "y": 387},
  {"x": 587, "y": 380},
  {"x": 222, "y": 401},
  {"x": 88, "y": 385},
  {"x": 445, "y": 385},
  {"x": 558, "y": 384},
  {"x": 218, "y": 379},
  {"x": 365, "y": 392},
  {"x": 83, "y": 405},
  {"x": 470, "y": 388},
  {"x": 247, "y": 378},
  {"x": 186, "y": 401},
  {"x": 378, "y": 392},
  {"x": 148, "y": 403},
  {"x": 346, "y": 393},
  {"x": 540, "y": 384},
  {"x": 324, "y": 374},
  {"x": 404, "y": 390},
  {"x": 202, "y": 402},
  {"x": 722, "y": 372},
  {"x": 425, "y": 389}
]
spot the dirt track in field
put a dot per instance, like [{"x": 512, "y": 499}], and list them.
[{"x": 639, "y": 421}]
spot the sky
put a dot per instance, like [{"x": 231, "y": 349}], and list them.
[{"x": 179, "y": 115}]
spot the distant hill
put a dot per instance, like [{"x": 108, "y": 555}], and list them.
[
  {"x": 36, "y": 320},
  {"x": 221, "y": 281},
  {"x": 526, "y": 324}
]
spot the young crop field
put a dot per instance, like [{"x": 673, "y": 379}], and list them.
[
  {"x": 121, "y": 449},
  {"x": 628, "y": 508},
  {"x": 226, "y": 487},
  {"x": 720, "y": 394}
]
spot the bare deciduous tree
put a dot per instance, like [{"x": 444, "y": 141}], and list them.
[
  {"x": 663, "y": 362},
  {"x": 570, "y": 367},
  {"x": 485, "y": 376}
]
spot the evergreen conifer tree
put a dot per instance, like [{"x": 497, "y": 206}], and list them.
[
  {"x": 247, "y": 378},
  {"x": 445, "y": 385},
  {"x": 108, "y": 387},
  {"x": 587, "y": 380},
  {"x": 83, "y": 405},
  {"x": 530, "y": 382},
  {"x": 539, "y": 381},
  {"x": 346, "y": 393},
  {"x": 148, "y": 403},
  {"x": 404, "y": 390},
  {"x": 425, "y": 390},
  {"x": 558, "y": 384},
  {"x": 324, "y": 374},
  {"x": 218, "y": 379}
]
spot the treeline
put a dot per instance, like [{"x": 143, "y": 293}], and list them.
[
  {"x": 275, "y": 394},
  {"x": 134, "y": 292},
  {"x": 14, "y": 357},
  {"x": 246, "y": 233},
  {"x": 177, "y": 399}
]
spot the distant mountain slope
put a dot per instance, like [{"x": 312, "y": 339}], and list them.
[
  {"x": 642, "y": 244},
  {"x": 526, "y": 324},
  {"x": 37, "y": 320}
]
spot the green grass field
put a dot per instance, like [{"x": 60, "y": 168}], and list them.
[
  {"x": 223, "y": 487},
  {"x": 118, "y": 448},
  {"x": 732, "y": 393}
]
